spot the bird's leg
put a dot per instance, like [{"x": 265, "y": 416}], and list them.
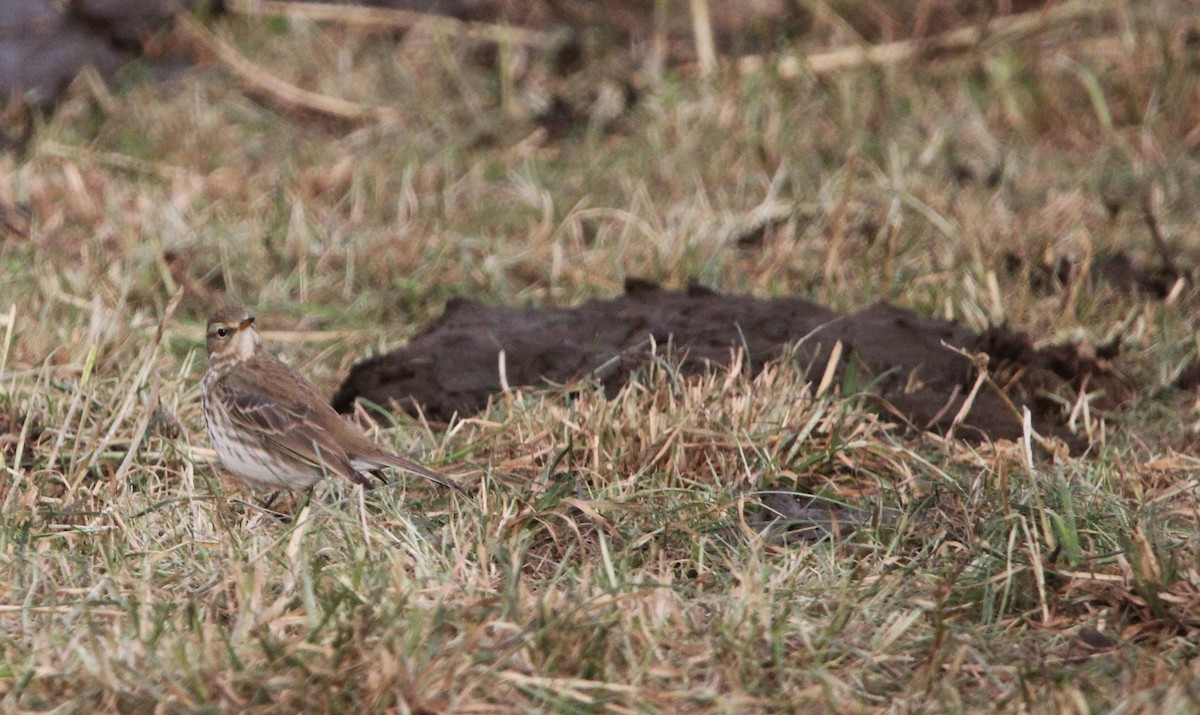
[
  {"x": 266, "y": 506},
  {"x": 266, "y": 503},
  {"x": 378, "y": 474}
]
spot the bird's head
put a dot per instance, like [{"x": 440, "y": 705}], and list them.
[{"x": 231, "y": 336}]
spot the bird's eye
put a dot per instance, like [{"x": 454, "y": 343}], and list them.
[{"x": 222, "y": 332}]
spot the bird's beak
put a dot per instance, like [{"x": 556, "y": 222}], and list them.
[{"x": 245, "y": 324}]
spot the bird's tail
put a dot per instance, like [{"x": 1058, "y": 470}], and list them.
[{"x": 383, "y": 458}]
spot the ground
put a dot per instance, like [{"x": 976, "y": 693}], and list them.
[{"x": 610, "y": 554}]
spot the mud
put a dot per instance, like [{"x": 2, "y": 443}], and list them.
[
  {"x": 44, "y": 47},
  {"x": 918, "y": 370},
  {"x": 46, "y": 43}
]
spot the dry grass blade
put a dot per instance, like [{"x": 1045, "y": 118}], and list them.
[
  {"x": 152, "y": 403},
  {"x": 385, "y": 17},
  {"x": 702, "y": 33},
  {"x": 114, "y": 160},
  {"x": 285, "y": 94},
  {"x": 998, "y": 30}
]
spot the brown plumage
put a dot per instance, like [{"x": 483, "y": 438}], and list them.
[{"x": 270, "y": 426}]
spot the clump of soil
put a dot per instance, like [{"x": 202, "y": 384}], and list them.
[
  {"x": 919, "y": 368},
  {"x": 45, "y": 44}
]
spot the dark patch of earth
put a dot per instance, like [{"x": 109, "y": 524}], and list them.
[
  {"x": 917, "y": 369},
  {"x": 45, "y": 44}
]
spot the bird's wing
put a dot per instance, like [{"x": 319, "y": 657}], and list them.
[
  {"x": 311, "y": 422},
  {"x": 284, "y": 426}
]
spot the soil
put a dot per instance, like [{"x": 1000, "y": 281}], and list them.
[
  {"x": 45, "y": 44},
  {"x": 917, "y": 370}
]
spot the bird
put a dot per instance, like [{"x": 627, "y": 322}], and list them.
[{"x": 270, "y": 426}]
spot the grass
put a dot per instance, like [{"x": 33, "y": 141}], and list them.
[{"x": 607, "y": 560}]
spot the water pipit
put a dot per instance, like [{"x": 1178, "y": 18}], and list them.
[{"x": 270, "y": 426}]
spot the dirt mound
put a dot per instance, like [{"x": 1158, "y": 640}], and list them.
[
  {"x": 46, "y": 44},
  {"x": 917, "y": 367}
]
